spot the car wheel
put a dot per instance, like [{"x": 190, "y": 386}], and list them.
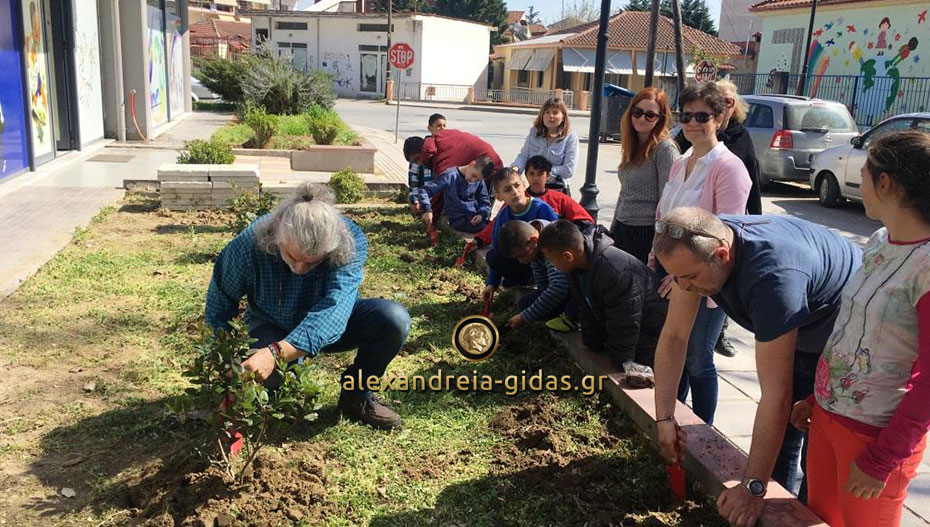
[{"x": 828, "y": 190}]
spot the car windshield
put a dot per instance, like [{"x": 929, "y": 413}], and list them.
[{"x": 820, "y": 117}]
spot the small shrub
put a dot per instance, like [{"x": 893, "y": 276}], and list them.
[
  {"x": 235, "y": 135},
  {"x": 348, "y": 186},
  {"x": 272, "y": 82},
  {"x": 295, "y": 125},
  {"x": 222, "y": 76},
  {"x": 239, "y": 403},
  {"x": 200, "y": 152},
  {"x": 290, "y": 142},
  {"x": 263, "y": 126},
  {"x": 249, "y": 205},
  {"x": 324, "y": 125}
]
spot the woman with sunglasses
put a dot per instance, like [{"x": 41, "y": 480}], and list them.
[
  {"x": 645, "y": 161},
  {"x": 870, "y": 413},
  {"x": 551, "y": 137},
  {"x": 711, "y": 177},
  {"x": 736, "y": 137}
]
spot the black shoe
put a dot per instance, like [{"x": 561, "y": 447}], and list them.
[
  {"x": 724, "y": 347},
  {"x": 368, "y": 410}
]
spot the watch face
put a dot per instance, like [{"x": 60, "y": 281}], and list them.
[{"x": 756, "y": 487}]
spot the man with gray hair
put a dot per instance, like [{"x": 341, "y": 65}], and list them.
[
  {"x": 777, "y": 276},
  {"x": 300, "y": 268}
]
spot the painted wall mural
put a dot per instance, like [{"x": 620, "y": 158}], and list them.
[
  {"x": 37, "y": 74},
  {"x": 176, "y": 65},
  {"x": 13, "y": 154},
  {"x": 157, "y": 67},
  {"x": 879, "y": 48}
]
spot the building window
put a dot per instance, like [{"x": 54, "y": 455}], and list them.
[
  {"x": 539, "y": 79},
  {"x": 374, "y": 28},
  {"x": 261, "y": 35},
  {"x": 291, "y": 25},
  {"x": 587, "y": 81},
  {"x": 523, "y": 78}
]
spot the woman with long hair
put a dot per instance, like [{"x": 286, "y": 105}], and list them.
[
  {"x": 709, "y": 176},
  {"x": 645, "y": 161},
  {"x": 552, "y": 138},
  {"x": 868, "y": 417}
]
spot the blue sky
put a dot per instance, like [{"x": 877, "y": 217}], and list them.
[{"x": 551, "y": 10}]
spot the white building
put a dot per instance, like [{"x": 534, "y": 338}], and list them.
[
  {"x": 737, "y": 22},
  {"x": 448, "y": 53}
]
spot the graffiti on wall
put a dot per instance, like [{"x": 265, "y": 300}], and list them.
[
  {"x": 88, "y": 69},
  {"x": 339, "y": 65},
  {"x": 157, "y": 67},
  {"x": 37, "y": 75},
  {"x": 882, "y": 46}
]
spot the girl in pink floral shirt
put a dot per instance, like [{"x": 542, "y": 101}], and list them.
[{"x": 869, "y": 423}]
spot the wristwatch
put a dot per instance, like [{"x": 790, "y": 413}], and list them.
[{"x": 756, "y": 487}]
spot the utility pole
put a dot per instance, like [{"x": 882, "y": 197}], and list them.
[
  {"x": 387, "y": 76},
  {"x": 589, "y": 191},
  {"x": 651, "y": 47},
  {"x": 679, "y": 53},
  {"x": 802, "y": 82}
]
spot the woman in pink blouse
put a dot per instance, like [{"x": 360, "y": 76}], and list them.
[{"x": 709, "y": 176}]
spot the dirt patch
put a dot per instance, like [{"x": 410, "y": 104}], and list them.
[{"x": 185, "y": 492}]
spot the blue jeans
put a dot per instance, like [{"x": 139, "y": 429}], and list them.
[
  {"x": 377, "y": 327},
  {"x": 700, "y": 373},
  {"x": 793, "y": 454}
]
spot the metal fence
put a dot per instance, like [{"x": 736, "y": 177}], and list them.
[
  {"x": 869, "y": 99},
  {"x": 433, "y": 92},
  {"x": 527, "y": 96}
]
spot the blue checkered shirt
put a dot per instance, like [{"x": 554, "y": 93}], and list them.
[
  {"x": 417, "y": 176},
  {"x": 314, "y": 307}
]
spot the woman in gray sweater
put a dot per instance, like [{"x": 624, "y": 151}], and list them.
[{"x": 645, "y": 161}]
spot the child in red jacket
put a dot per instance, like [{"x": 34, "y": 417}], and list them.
[{"x": 537, "y": 173}]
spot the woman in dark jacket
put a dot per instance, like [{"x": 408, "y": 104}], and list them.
[{"x": 736, "y": 138}]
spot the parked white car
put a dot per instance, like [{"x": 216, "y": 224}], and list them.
[{"x": 835, "y": 175}]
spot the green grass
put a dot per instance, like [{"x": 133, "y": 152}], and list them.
[
  {"x": 291, "y": 133},
  {"x": 120, "y": 304},
  {"x": 235, "y": 135}
]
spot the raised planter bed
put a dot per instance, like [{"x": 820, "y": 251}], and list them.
[{"x": 324, "y": 158}]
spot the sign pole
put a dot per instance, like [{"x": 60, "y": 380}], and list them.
[{"x": 397, "y": 115}]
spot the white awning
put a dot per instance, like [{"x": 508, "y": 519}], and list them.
[
  {"x": 664, "y": 64},
  {"x": 519, "y": 58},
  {"x": 582, "y": 60},
  {"x": 540, "y": 60},
  {"x": 233, "y": 3}
]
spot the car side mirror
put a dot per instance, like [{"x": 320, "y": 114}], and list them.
[{"x": 856, "y": 141}]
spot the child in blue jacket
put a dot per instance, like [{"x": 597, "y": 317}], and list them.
[{"x": 465, "y": 197}]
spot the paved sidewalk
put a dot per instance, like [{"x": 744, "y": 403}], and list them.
[{"x": 40, "y": 211}]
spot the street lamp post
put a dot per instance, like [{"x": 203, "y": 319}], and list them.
[
  {"x": 589, "y": 191},
  {"x": 802, "y": 82}
]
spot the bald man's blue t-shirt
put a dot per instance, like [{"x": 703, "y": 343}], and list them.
[{"x": 788, "y": 273}]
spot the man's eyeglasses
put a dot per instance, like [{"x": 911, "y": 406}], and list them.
[
  {"x": 700, "y": 117},
  {"x": 678, "y": 232},
  {"x": 639, "y": 113}
]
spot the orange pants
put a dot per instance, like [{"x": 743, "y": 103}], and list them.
[{"x": 831, "y": 448}]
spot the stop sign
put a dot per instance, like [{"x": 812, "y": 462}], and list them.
[
  {"x": 705, "y": 71},
  {"x": 400, "y": 56}
]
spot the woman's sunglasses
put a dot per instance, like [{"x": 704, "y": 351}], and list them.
[
  {"x": 700, "y": 117},
  {"x": 638, "y": 113}
]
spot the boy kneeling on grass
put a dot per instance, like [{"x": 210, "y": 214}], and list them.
[
  {"x": 616, "y": 295},
  {"x": 550, "y": 300},
  {"x": 465, "y": 197},
  {"x": 503, "y": 270}
]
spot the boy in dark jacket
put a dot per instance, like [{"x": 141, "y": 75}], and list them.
[
  {"x": 520, "y": 240},
  {"x": 465, "y": 198},
  {"x": 620, "y": 310}
]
